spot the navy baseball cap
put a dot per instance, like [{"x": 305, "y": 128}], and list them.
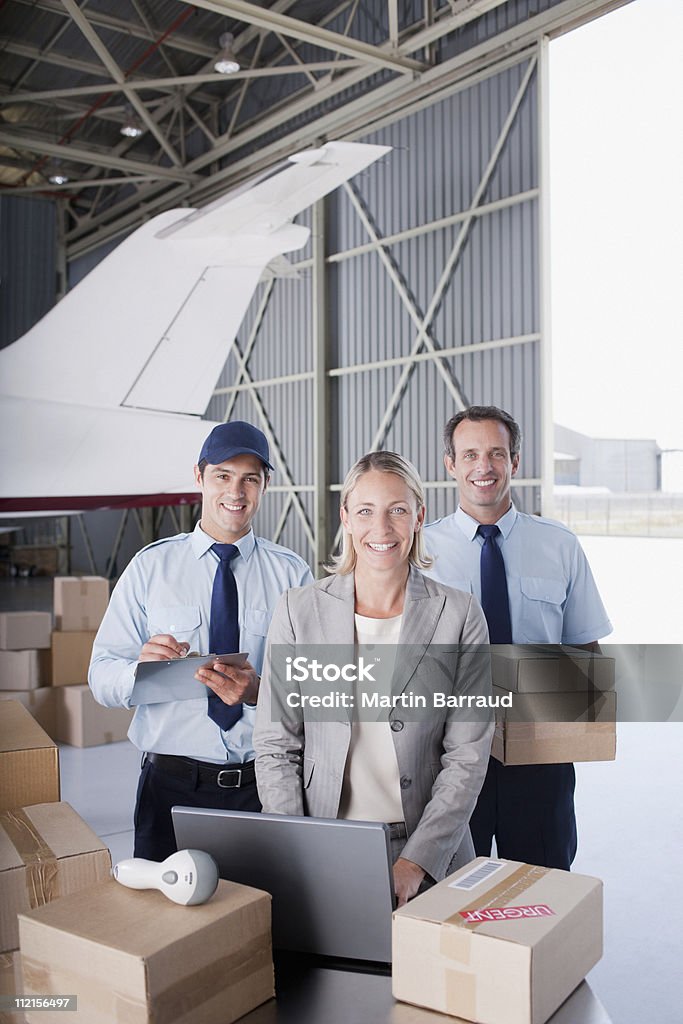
[{"x": 237, "y": 438}]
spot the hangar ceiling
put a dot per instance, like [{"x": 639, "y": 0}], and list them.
[{"x": 73, "y": 73}]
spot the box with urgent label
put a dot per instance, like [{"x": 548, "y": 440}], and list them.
[
  {"x": 555, "y": 728},
  {"x": 80, "y": 602},
  {"x": 24, "y": 630},
  {"x": 29, "y": 760},
  {"x": 82, "y": 722},
  {"x": 46, "y": 851},
  {"x": 71, "y": 653},
  {"x": 135, "y": 956},
  {"x": 498, "y": 942}
]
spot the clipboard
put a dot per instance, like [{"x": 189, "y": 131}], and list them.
[{"x": 159, "y": 682}]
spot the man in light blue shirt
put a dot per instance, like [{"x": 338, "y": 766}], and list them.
[
  {"x": 551, "y": 598},
  {"x": 161, "y": 609}
]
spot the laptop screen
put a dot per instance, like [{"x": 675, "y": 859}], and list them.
[{"x": 330, "y": 879}]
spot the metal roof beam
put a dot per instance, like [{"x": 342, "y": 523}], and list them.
[
  {"x": 127, "y": 28},
  {"x": 273, "y": 21},
  {"x": 70, "y": 153},
  {"x": 179, "y": 80},
  {"x": 117, "y": 74}
]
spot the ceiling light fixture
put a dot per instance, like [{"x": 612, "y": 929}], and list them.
[
  {"x": 56, "y": 174},
  {"x": 131, "y": 127},
  {"x": 226, "y": 62}
]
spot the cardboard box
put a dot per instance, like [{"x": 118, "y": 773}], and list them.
[
  {"x": 29, "y": 760},
  {"x": 135, "y": 956},
  {"x": 71, "y": 654},
  {"x": 24, "y": 630},
  {"x": 40, "y": 703},
  {"x": 498, "y": 942},
  {"x": 46, "y": 851},
  {"x": 11, "y": 985},
  {"x": 82, "y": 722},
  {"x": 556, "y": 728},
  {"x": 544, "y": 668},
  {"x": 24, "y": 670},
  {"x": 80, "y": 602}
]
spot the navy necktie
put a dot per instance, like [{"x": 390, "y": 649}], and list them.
[
  {"x": 494, "y": 588},
  {"x": 224, "y": 629}
]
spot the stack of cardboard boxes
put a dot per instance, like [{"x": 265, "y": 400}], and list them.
[
  {"x": 67, "y": 928},
  {"x": 563, "y": 704},
  {"x": 46, "y": 669},
  {"x": 79, "y": 605},
  {"x": 25, "y": 664},
  {"x": 46, "y": 849}
]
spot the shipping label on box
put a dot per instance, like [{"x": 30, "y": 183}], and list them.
[
  {"x": 71, "y": 653},
  {"x": 29, "y": 759},
  {"x": 25, "y": 630},
  {"x": 80, "y": 602},
  {"x": 82, "y": 722},
  {"x": 39, "y": 703},
  {"x": 24, "y": 670},
  {"x": 556, "y": 728},
  {"x": 135, "y": 956},
  {"x": 498, "y": 942},
  {"x": 545, "y": 668},
  {"x": 46, "y": 851}
]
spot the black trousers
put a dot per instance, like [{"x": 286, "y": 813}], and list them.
[
  {"x": 158, "y": 792},
  {"x": 529, "y": 808}
]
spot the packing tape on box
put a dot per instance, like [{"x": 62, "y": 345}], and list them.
[
  {"x": 521, "y": 879},
  {"x": 178, "y": 1000},
  {"x": 42, "y": 869},
  {"x": 41, "y": 978},
  {"x": 461, "y": 994},
  {"x": 188, "y": 993}
]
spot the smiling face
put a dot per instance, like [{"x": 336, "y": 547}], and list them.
[
  {"x": 381, "y": 516},
  {"x": 482, "y": 468},
  {"x": 231, "y": 493}
]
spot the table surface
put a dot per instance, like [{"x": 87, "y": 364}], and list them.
[{"x": 312, "y": 994}]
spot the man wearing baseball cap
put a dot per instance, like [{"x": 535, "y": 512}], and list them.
[{"x": 209, "y": 591}]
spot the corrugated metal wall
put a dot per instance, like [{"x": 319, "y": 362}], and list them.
[
  {"x": 28, "y": 264},
  {"x": 434, "y": 171}
]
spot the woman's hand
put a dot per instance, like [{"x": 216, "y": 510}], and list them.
[{"x": 407, "y": 880}]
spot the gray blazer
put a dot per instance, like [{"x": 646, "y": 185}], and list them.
[{"x": 442, "y": 757}]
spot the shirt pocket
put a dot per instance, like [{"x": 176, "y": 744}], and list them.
[
  {"x": 256, "y": 621},
  {"x": 178, "y": 620},
  {"x": 541, "y": 609}
]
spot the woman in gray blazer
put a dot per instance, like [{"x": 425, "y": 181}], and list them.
[{"x": 418, "y": 770}]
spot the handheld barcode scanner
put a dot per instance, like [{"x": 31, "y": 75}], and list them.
[{"x": 188, "y": 877}]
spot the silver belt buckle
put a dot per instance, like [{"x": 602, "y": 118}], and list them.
[{"x": 230, "y": 785}]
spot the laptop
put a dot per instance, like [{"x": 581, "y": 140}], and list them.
[{"x": 331, "y": 880}]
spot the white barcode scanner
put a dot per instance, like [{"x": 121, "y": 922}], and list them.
[{"x": 188, "y": 877}]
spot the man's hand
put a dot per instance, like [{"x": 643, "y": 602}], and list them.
[
  {"x": 163, "y": 647},
  {"x": 232, "y": 684},
  {"x": 408, "y": 877}
]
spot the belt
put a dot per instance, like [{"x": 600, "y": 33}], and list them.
[
  {"x": 228, "y": 776},
  {"x": 397, "y": 830}
]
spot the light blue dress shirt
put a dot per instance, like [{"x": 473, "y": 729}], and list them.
[
  {"x": 167, "y": 589},
  {"x": 552, "y": 593}
]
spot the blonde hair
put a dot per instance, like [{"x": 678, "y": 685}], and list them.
[{"x": 382, "y": 462}]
